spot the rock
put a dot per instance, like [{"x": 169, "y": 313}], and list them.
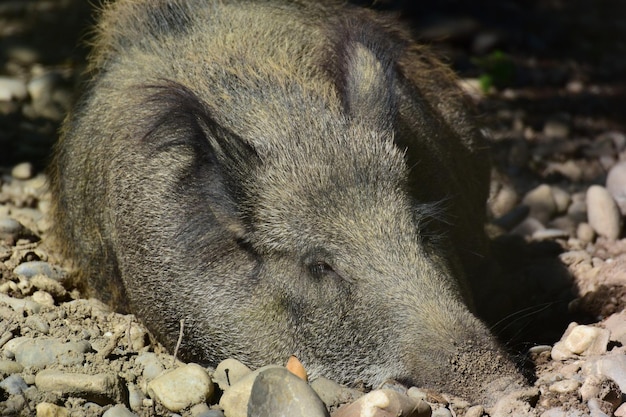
[
  {"x": 616, "y": 185},
  {"x": 14, "y": 384},
  {"x": 37, "y": 323},
  {"x": 515, "y": 403},
  {"x": 333, "y": 394},
  {"x": 118, "y": 410},
  {"x": 385, "y": 403},
  {"x": 49, "y": 285},
  {"x": 621, "y": 411},
  {"x": 43, "y": 298},
  {"x": 235, "y": 399},
  {"x": 564, "y": 386},
  {"x": 100, "y": 388},
  {"x": 30, "y": 269},
  {"x": 562, "y": 199},
  {"x": 12, "y": 89},
  {"x": 10, "y": 228},
  {"x": 475, "y": 411},
  {"x": 228, "y": 372},
  {"x": 23, "y": 171},
  {"x": 135, "y": 397},
  {"x": 442, "y": 412},
  {"x": 547, "y": 234},
  {"x": 556, "y": 128},
  {"x": 51, "y": 410},
  {"x": 610, "y": 366},
  {"x": 181, "y": 387},
  {"x": 616, "y": 324},
  {"x": 20, "y": 305},
  {"x": 43, "y": 351},
  {"x": 603, "y": 214},
  {"x": 152, "y": 366},
  {"x": 528, "y": 227},
  {"x": 585, "y": 232},
  {"x": 8, "y": 367},
  {"x": 278, "y": 392},
  {"x": 541, "y": 203},
  {"x": 295, "y": 367},
  {"x": 587, "y": 340}
]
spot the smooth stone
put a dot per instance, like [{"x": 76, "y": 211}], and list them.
[
  {"x": 541, "y": 203},
  {"x": 234, "y": 401},
  {"x": 475, "y": 411},
  {"x": 181, "y": 387},
  {"x": 564, "y": 386},
  {"x": 587, "y": 340},
  {"x": 228, "y": 372},
  {"x": 30, "y": 269},
  {"x": 37, "y": 323},
  {"x": 8, "y": 367},
  {"x": 101, "y": 388},
  {"x": 118, "y": 410},
  {"x": 43, "y": 351},
  {"x": 616, "y": 185},
  {"x": 585, "y": 233},
  {"x": 332, "y": 393},
  {"x": 23, "y": 171},
  {"x": 10, "y": 227},
  {"x": 22, "y": 304},
  {"x": 441, "y": 412},
  {"x": 12, "y": 89},
  {"x": 135, "y": 397},
  {"x": 14, "y": 384},
  {"x": 603, "y": 214},
  {"x": 562, "y": 199},
  {"x": 152, "y": 367},
  {"x": 616, "y": 324},
  {"x": 51, "y": 410},
  {"x": 43, "y": 298},
  {"x": 546, "y": 234},
  {"x": 278, "y": 392},
  {"x": 610, "y": 366},
  {"x": 528, "y": 227},
  {"x": 383, "y": 403}
]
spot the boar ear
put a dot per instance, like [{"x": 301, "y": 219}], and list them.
[
  {"x": 366, "y": 81},
  {"x": 223, "y": 161}
]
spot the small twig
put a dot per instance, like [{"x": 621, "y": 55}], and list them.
[{"x": 180, "y": 340}]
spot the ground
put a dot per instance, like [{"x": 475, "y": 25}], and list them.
[{"x": 548, "y": 80}]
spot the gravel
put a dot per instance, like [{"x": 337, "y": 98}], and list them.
[{"x": 563, "y": 308}]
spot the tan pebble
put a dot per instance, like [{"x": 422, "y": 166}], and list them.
[
  {"x": 43, "y": 298},
  {"x": 295, "y": 367},
  {"x": 541, "y": 203},
  {"x": 560, "y": 352},
  {"x": 475, "y": 411},
  {"x": 51, "y": 410},
  {"x": 565, "y": 386},
  {"x": 587, "y": 340},
  {"x": 384, "y": 403},
  {"x": 23, "y": 171},
  {"x": 585, "y": 232},
  {"x": 602, "y": 211}
]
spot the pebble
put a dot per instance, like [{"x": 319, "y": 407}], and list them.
[
  {"x": 20, "y": 305},
  {"x": 383, "y": 403},
  {"x": 12, "y": 89},
  {"x": 43, "y": 298},
  {"x": 135, "y": 397},
  {"x": 541, "y": 203},
  {"x": 101, "y": 388},
  {"x": 32, "y": 268},
  {"x": 585, "y": 232},
  {"x": 43, "y": 351},
  {"x": 234, "y": 400},
  {"x": 621, "y": 411},
  {"x": 610, "y": 366},
  {"x": 23, "y": 171},
  {"x": 10, "y": 227},
  {"x": 228, "y": 372},
  {"x": 616, "y": 185},
  {"x": 528, "y": 227},
  {"x": 587, "y": 340},
  {"x": 119, "y": 410},
  {"x": 8, "y": 367},
  {"x": 51, "y": 410},
  {"x": 562, "y": 199},
  {"x": 602, "y": 211},
  {"x": 616, "y": 324},
  {"x": 37, "y": 323},
  {"x": 475, "y": 411},
  {"x": 547, "y": 234},
  {"x": 14, "y": 384},
  {"x": 152, "y": 366},
  {"x": 332, "y": 393},
  {"x": 564, "y": 386},
  {"x": 278, "y": 392},
  {"x": 181, "y": 387}
]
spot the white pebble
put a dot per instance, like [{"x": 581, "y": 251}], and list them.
[
  {"x": 23, "y": 171},
  {"x": 616, "y": 185},
  {"x": 182, "y": 387},
  {"x": 603, "y": 213},
  {"x": 12, "y": 89},
  {"x": 541, "y": 203},
  {"x": 565, "y": 386},
  {"x": 587, "y": 340}
]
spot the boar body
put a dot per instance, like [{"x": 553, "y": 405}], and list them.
[{"x": 287, "y": 177}]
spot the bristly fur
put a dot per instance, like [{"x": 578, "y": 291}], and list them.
[{"x": 287, "y": 177}]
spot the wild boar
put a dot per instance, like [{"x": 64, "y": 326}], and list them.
[{"x": 288, "y": 177}]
